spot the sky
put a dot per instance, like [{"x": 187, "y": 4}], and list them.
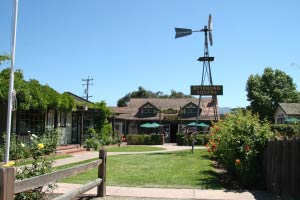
[{"x": 124, "y": 44}]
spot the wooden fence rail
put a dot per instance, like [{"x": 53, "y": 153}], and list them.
[
  {"x": 9, "y": 187},
  {"x": 282, "y": 166}
]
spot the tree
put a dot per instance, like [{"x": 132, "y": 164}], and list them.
[
  {"x": 32, "y": 95},
  {"x": 4, "y": 58},
  {"x": 143, "y": 93},
  {"x": 266, "y": 91}
]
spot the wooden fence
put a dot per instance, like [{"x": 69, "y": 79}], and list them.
[
  {"x": 9, "y": 187},
  {"x": 282, "y": 167}
]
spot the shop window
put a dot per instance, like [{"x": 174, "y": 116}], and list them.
[
  {"x": 32, "y": 121},
  {"x": 63, "y": 118}
]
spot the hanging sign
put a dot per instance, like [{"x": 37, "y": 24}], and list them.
[{"x": 206, "y": 89}]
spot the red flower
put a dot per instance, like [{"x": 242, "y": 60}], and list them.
[
  {"x": 208, "y": 149},
  {"x": 237, "y": 161},
  {"x": 213, "y": 145},
  {"x": 247, "y": 148}
]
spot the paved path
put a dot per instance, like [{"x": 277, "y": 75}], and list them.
[
  {"x": 125, "y": 193},
  {"x": 164, "y": 193}
]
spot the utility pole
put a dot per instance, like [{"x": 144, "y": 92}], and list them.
[{"x": 87, "y": 84}]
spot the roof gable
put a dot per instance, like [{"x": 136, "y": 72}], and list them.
[
  {"x": 290, "y": 108},
  {"x": 190, "y": 105},
  {"x": 148, "y": 105}
]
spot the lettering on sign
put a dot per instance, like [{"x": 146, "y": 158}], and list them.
[{"x": 207, "y": 90}]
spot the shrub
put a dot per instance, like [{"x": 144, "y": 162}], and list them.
[
  {"x": 41, "y": 150},
  {"x": 156, "y": 139},
  {"x": 288, "y": 130},
  {"x": 144, "y": 139},
  {"x": 183, "y": 140},
  {"x": 147, "y": 139},
  {"x": 243, "y": 137}
]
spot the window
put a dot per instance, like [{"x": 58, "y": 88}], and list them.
[
  {"x": 148, "y": 109},
  {"x": 280, "y": 119},
  {"x": 191, "y": 110},
  {"x": 50, "y": 119},
  {"x": 32, "y": 121},
  {"x": 63, "y": 118}
]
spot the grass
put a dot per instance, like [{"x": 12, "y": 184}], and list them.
[
  {"x": 133, "y": 149},
  {"x": 180, "y": 169}
]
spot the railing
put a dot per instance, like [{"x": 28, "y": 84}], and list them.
[{"x": 9, "y": 187}]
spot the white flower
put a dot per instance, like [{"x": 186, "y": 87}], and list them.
[
  {"x": 22, "y": 145},
  {"x": 33, "y": 135}
]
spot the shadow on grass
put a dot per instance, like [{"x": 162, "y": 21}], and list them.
[{"x": 211, "y": 180}]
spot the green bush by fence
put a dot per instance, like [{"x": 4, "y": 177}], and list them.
[
  {"x": 287, "y": 130},
  {"x": 182, "y": 140},
  {"x": 144, "y": 139}
]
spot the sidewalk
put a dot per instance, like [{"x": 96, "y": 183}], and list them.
[
  {"x": 125, "y": 193},
  {"x": 166, "y": 193}
]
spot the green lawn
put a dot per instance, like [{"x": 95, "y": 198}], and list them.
[
  {"x": 133, "y": 149},
  {"x": 169, "y": 170}
]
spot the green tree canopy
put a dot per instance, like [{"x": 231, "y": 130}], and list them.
[
  {"x": 143, "y": 93},
  {"x": 266, "y": 91},
  {"x": 33, "y": 95},
  {"x": 4, "y": 58}
]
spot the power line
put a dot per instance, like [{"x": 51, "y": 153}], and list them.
[{"x": 87, "y": 84}]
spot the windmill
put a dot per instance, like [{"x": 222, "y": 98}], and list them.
[{"x": 204, "y": 89}]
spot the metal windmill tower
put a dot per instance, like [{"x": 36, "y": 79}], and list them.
[{"x": 204, "y": 89}]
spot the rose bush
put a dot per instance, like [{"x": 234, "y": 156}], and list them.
[
  {"x": 41, "y": 151},
  {"x": 238, "y": 142}
]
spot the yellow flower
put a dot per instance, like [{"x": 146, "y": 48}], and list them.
[
  {"x": 9, "y": 164},
  {"x": 40, "y": 146}
]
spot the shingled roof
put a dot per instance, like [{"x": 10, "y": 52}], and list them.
[
  {"x": 135, "y": 104},
  {"x": 290, "y": 108}
]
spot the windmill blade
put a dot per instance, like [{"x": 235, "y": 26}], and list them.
[
  {"x": 209, "y": 22},
  {"x": 181, "y": 32},
  {"x": 210, "y": 38}
]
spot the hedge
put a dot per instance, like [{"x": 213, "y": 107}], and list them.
[
  {"x": 288, "y": 130},
  {"x": 144, "y": 139},
  {"x": 201, "y": 139}
]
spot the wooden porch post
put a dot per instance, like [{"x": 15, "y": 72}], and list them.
[
  {"x": 7, "y": 179},
  {"x": 101, "y": 189}
]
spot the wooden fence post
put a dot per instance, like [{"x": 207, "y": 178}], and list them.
[
  {"x": 101, "y": 189},
  {"x": 7, "y": 179}
]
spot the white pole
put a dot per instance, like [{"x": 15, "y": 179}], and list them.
[{"x": 11, "y": 82}]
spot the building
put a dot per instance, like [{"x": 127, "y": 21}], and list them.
[
  {"x": 286, "y": 111},
  {"x": 171, "y": 113},
  {"x": 71, "y": 124}
]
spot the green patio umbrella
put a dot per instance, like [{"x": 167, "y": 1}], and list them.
[
  {"x": 155, "y": 125},
  {"x": 202, "y": 125},
  {"x": 292, "y": 120},
  {"x": 146, "y": 125},
  {"x": 199, "y": 124}
]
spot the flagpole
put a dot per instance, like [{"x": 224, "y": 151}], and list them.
[{"x": 11, "y": 81}]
